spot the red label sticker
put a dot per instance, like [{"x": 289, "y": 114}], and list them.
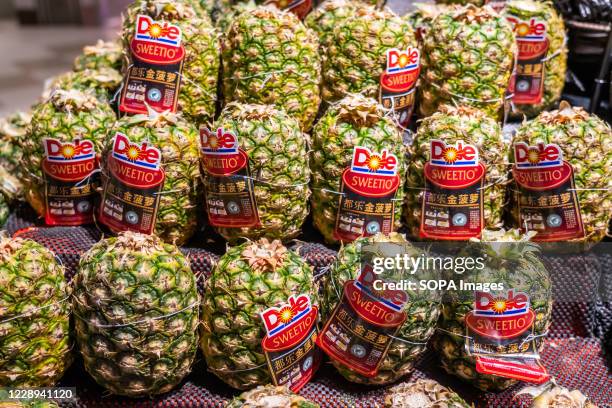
[
  {"x": 366, "y": 205},
  {"x": 289, "y": 345},
  {"x": 546, "y": 196},
  {"x": 527, "y": 83},
  {"x": 132, "y": 187},
  {"x": 452, "y": 206},
  {"x": 398, "y": 83},
  {"x": 70, "y": 186},
  {"x": 230, "y": 191},
  {"x": 500, "y": 333},
  {"x": 300, "y": 8},
  {"x": 154, "y": 77},
  {"x": 361, "y": 328}
]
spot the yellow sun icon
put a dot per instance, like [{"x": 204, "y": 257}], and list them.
[
  {"x": 155, "y": 31},
  {"x": 286, "y": 314},
  {"x": 68, "y": 152},
  {"x": 499, "y": 306},
  {"x": 522, "y": 29},
  {"x": 403, "y": 61},
  {"x": 533, "y": 156},
  {"x": 374, "y": 162},
  {"x": 450, "y": 155},
  {"x": 213, "y": 142},
  {"x": 133, "y": 153}
]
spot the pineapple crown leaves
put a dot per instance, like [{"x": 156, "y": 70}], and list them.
[
  {"x": 264, "y": 255},
  {"x": 359, "y": 110},
  {"x": 73, "y": 100},
  {"x": 154, "y": 119},
  {"x": 550, "y": 394},
  {"x": 474, "y": 14},
  {"x": 170, "y": 9},
  {"x": 422, "y": 393},
  {"x": 506, "y": 246},
  {"x": 101, "y": 48},
  {"x": 564, "y": 115}
]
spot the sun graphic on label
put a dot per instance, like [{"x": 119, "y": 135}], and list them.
[
  {"x": 156, "y": 31},
  {"x": 213, "y": 142},
  {"x": 403, "y": 60},
  {"x": 285, "y": 315},
  {"x": 450, "y": 155},
  {"x": 68, "y": 151},
  {"x": 522, "y": 29},
  {"x": 533, "y": 156},
  {"x": 500, "y": 306},
  {"x": 133, "y": 153},
  {"x": 374, "y": 162}
]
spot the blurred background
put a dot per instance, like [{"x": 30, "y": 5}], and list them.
[{"x": 41, "y": 38}]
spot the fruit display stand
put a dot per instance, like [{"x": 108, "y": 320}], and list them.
[{"x": 573, "y": 354}]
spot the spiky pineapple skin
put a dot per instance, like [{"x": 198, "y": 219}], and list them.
[
  {"x": 235, "y": 295},
  {"x": 177, "y": 139},
  {"x": 556, "y": 66},
  {"x": 451, "y": 125},
  {"x": 517, "y": 265},
  {"x": 103, "y": 81},
  {"x": 423, "y": 393},
  {"x": 197, "y": 97},
  {"x": 35, "y": 340},
  {"x": 278, "y": 160},
  {"x": 104, "y": 54},
  {"x": 420, "y": 19},
  {"x": 65, "y": 116},
  {"x": 586, "y": 142},
  {"x": 271, "y": 58},
  {"x": 136, "y": 314},
  {"x": 333, "y": 139},
  {"x": 5, "y": 210},
  {"x": 328, "y": 15},
  {"x": 355, "y": 53},
  {"x": 422, "y": 311},
  {"x": 13, "y": 130},
  {"x": 467, "y": 59},
  {"x": 270, "y": 396}
]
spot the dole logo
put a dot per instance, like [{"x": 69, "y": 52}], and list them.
[
  {"x": 141, "y": 155},
  {"x": 532, "y": 30},
  {"x": 393, "y": 299},
  {"x": 160, "y": 32},
  {"x": 277, "y": 319},
  {"x": 541, "y": 155},
  {"x": 513, "y": 303},
  {"x": 366, "y": 161},
  {"x": 402, "y": 60},
  {"x": 56, "y": 150},
  {"x": 218, "y": 142},
  {"x": 459, "y": 154}
]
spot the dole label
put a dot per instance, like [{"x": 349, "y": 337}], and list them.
[
  {"x": 69, "y": 173},
  {"x": 398, "y": 83},
  {"x": 230, "y": 191},
  {"x": 289, "y": 345},
  {"x": 369, "y": 185},
  {"x": 546, "y": 197},
  {"x": 452, "y": 207}
]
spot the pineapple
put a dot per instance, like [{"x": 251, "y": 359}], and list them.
[
  {"x": 136, "y": 314},
  {"x": 177, "y": 139},
  {"x": 5, "y": 210},
  {"x": 561, "y": 397},
  {"x": 478, "y": 3},
  {"x": 271, "y": 58},
  {"x": 556, "y": 66},
  {"x": 104, "y": 82},
  {"x": 104, "y": 54},
  {"x": 246, "y": 281},
  {"x": 12, "y": 134},
  {"x": 422, "y": 311},
  {"x": 328, "y": 15},
  {"x": 278, "y": 155},
  {"x": 66, "y": 116},
  {"x": 34, "y": 316},
  {"x": 353, "y": 121},
  {"x": 198, "y": 90},
  {"x": 467, "y": 59},
  {"x": 509, "y": 259},
  {"x": 450, "y": 125},
  {"x": 586, "y": 142},
  {"x": 355, "y": 53},
  {"x": 423, "y": 394},
  {"x": 420, "y": 19},
  {"x": 270, "y": 396}
]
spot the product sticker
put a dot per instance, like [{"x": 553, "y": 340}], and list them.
[
  {"x": 545, "y": 193},
  {"x": 501, "y": 335},
  {"x": 398, "y": 83},
  {"x": 230, "y": 191},
  {"x": 298, "y": 7},
  {"x": 153, "y": 80},
  {"x": 453, "y": 197},
  {"x": 366, "y": 205},
  {"x": 290, "y": 343},
  {"x": 70, "y": 186},
  {"x": 527, "y": 83},
  {"x": 361, "y": 328},
  {"x": 132, "y": 187}
]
